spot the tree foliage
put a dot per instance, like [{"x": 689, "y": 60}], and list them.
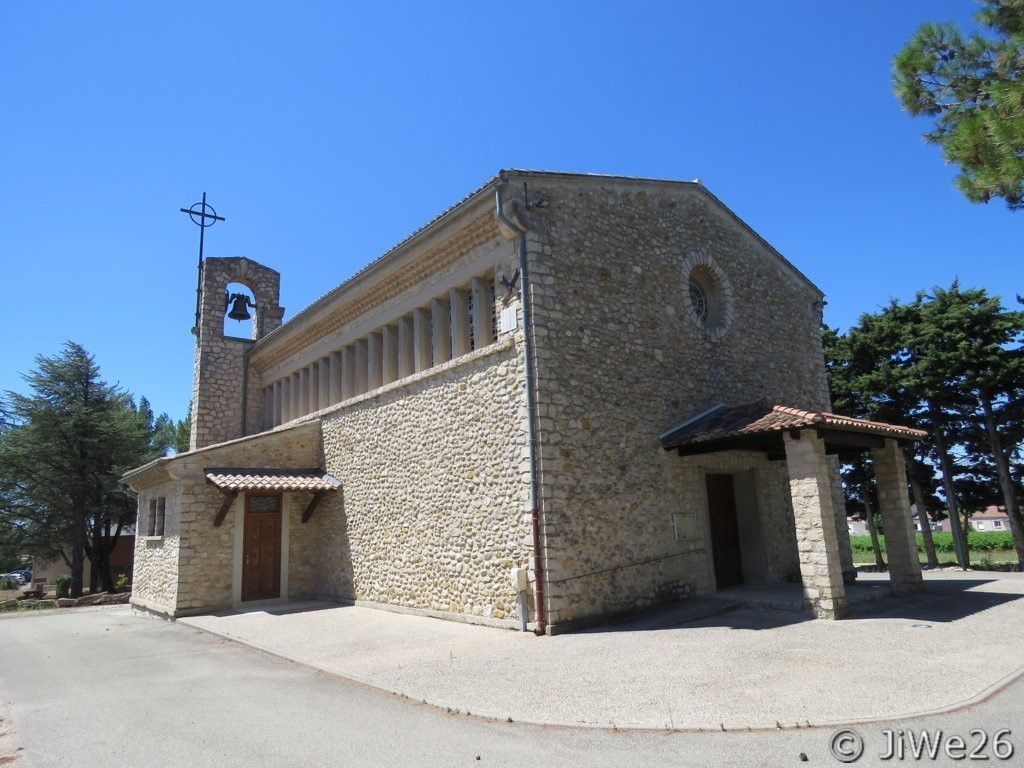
[
  {"x": 62, "y": 449},
  {"x": 973, "y": 86},
  {"x": 949, "y": 362}
]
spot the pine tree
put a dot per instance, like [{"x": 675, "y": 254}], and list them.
[
  {"x": 62, "y": 450},
  {"x": 974, "y": 88}
]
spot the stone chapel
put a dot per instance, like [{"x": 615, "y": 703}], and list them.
[{"x": 566, "y": 397}]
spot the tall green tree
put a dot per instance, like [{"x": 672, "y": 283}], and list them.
[
  {"x": 866, "y": 371},
  {"x": 970, "y": 344},
  {"x": 62, "y": 449},
  {"x": 950, "y": 362},
  {"x": 973, "y": 85}
]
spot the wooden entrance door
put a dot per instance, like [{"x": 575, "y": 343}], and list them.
[
  {"x": 725, "y": 531},
  {"x": 261, "y": 547}
]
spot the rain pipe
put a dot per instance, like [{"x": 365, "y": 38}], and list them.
[{"x": 513, "y": 225}]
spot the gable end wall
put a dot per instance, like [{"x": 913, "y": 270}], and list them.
[{"x": 621, "y": 359}]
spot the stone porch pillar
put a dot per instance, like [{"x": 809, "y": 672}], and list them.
[
  {"x": 815, "y": 518},
  {"x": 894, "y": 505}
]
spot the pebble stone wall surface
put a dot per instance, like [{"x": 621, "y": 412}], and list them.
[
  {"x": 155, "y": 569},
  {"x": 623, "y": 356},
  {"x": 435, "y": 487}
]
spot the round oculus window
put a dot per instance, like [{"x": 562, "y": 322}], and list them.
[{"x": 708, "y": 293}]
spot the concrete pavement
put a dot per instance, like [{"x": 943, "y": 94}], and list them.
[{"x": 748, "y": 668}]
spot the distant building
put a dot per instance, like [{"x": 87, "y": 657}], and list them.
[
  {"x": 121, "y": 559},
  {"x": 856, "y": 526},
  {"x": 991, "y": 519}
]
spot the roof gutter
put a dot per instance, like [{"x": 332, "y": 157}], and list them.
[{"x": 515, "y": 229}]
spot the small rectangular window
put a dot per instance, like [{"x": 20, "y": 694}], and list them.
[
  {"x": 151, "y": 527},
  {"x": 161, "y": 514},
  {"x": 684, "y": 526}
]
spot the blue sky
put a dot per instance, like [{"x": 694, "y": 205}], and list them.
[{"x": 325, "y": 132}]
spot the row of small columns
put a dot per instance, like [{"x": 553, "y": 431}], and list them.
[{"x": 426, "y": 337}]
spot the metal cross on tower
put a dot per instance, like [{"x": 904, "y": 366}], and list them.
[{"x": 203, "y": 216}]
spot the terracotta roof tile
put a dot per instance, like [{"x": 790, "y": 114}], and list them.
[
  {"x": 257, "y": 479},
  {"x": 724, "y": 422}
]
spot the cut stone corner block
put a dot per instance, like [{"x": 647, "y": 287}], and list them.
[{"x": 829, "y": 608}]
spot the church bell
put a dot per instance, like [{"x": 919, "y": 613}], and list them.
[{"x": 239, "y": 311}]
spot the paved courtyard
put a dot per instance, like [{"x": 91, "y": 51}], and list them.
[{"x": 747, "y": 668}]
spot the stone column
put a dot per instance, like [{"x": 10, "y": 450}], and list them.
[
  {"x": 815, "y": 518},
  {"x": 268, "y": 408},
  {"x": 374, "y": 360},
  {"x": 303, "y": 398},
  {"x": 362, "y": 371},
  {"x": 406, "y": 363},
  {"x": 422, "y": 352},
  {"x": 277, "y": 402},
  {"x": 389, "y": 350},
  {"x": 442, "y": 318},
  {"x": 461, "y": 343},
  {"x": 324, "y": 378},
  {"x": 348, "y": 373},
  {"x": 334, "y": 378},
  {"x": 483, "y": 309},
  {"x": 296, "y": 407},
  {"x": 894, "y": 505},
  {"x": 842, "y": 527},
  {"x": 313, "y": 398}
]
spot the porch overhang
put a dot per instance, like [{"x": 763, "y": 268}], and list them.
[
  {"x": 760, "y": 427},
  {"x": 234, "y": 480}
]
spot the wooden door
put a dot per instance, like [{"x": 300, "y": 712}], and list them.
[
  {"x": 261, "y": 547},
  {"x": 725, "y": 531}
]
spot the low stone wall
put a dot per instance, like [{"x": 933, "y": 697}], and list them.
[{"x": 100, "y": 598}]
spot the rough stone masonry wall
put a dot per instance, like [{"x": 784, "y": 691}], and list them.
[
  {"x": 207, "y": 554},
  {"x": 218, "y": 372},
  {"x": 622, "y": 358},
  {"x": 435, "y": 485},
  {"x": 774, "y": 508},
  {"x": 155, "y": 570}
]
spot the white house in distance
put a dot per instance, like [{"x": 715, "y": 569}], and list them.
[{"x": 567, "y": 396}]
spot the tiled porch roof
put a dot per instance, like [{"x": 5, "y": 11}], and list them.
[
  {"x": 259, "y": 479},
  {"x": 724, "y": 423}
]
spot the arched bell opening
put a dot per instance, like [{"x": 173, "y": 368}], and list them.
[{"x": 239, "y": 310}]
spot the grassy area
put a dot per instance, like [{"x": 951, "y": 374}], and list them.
[
  {"x": 978, "y": 557},
  {"x": 986, "y": 548}
]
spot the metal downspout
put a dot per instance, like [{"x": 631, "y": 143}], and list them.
[{"x": 540, "y": 624}]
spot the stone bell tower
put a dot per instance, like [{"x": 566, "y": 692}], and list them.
[{"x": 225, "y": 393}]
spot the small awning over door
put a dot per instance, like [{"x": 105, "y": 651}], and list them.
[{"x": 234, "y": 480}]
